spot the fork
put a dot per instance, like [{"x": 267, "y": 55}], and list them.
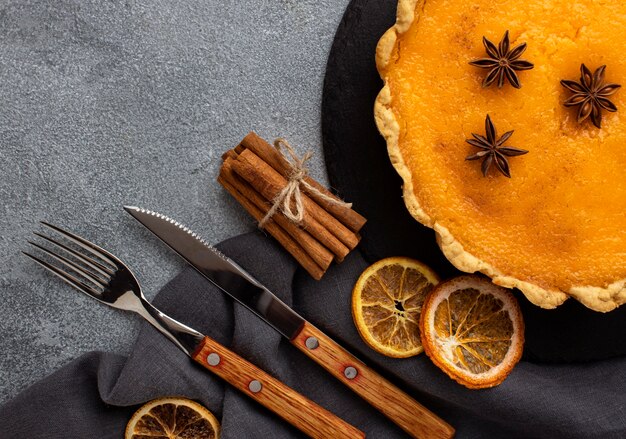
[{"x": 104, "y": 277}]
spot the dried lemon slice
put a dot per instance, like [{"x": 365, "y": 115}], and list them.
[
  {"x": 387, "y": 302},
  {"x": 172, "y": 418},
  {"x": 473, "y": 330}
]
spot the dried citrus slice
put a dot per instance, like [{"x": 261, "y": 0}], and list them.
[
  {"x": 472, "y": 330},
  {"x": 386, "y": 304},
  {"x": 172, "y": 418}
]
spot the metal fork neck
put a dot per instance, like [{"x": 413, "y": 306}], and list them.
[{"x": 186, "y": 338}]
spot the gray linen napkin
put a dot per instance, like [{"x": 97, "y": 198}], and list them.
[{"x": 95, "y": 395}]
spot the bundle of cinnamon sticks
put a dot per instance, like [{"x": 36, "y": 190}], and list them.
[{"x": 255, "y": 172}]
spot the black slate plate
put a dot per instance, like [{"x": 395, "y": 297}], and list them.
[{"x": 359, "y": 168}]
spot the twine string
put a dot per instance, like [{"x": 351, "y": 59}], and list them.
[{"x": 289, "y": 199}]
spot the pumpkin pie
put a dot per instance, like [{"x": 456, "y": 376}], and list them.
[{"x": 557, "y": 227}]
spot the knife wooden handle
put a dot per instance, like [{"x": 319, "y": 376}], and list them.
[
  {"x": 294, "y": 408},
  {"x": 410, "y": 415}
]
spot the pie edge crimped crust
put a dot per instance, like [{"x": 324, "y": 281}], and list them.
[{"x": 596, "y": 298}]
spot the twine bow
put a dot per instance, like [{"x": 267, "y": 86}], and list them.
[{"x": 289, "y": 199}]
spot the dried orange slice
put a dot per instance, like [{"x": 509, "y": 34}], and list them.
[
  {"x": 387, "y": 302},
  {"x": 172, "y": 418},
  {"x": 473, "y": 330}
]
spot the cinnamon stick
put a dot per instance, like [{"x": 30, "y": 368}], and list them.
[
  {"x": 269, "y": 183},
  {"x": 276, "y": 231},
  {"x": 320, "y": 254},
  {"x": 274, "y": 158},
  {"x": 231, "y": 153}
]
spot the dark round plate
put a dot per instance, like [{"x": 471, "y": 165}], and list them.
[{"x": 360, "y": 170}]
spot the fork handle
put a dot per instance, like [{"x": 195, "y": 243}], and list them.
[
  {"x": 294, "y": 408},
  {"x": 404, "y": 411}
]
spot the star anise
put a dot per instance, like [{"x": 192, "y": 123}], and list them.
[
  {"x": 502, "y": 62},
  {"x": 591, "y": 94},
  {"x": 492, "y": 149}
]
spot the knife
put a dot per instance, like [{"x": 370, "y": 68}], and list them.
[{"x": 228, "y": 276}]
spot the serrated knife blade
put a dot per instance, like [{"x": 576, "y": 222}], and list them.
[
  {"x": 410, "y": 415},
  {"x": 221, "y": 271}
]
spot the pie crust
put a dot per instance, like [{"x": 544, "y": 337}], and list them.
[{"x": 600, "y": 298}]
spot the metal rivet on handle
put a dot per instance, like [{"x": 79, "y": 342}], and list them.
[
  {"x": 255, "y": 386},
  {"x": 350, "y": 372},
  {"x": 213, "y": 359},
  {"x": 312, "y": 343}
]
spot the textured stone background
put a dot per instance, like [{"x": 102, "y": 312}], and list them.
[{"x": 105, "y": 103}]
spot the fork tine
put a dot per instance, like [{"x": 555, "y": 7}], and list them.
[
  {"x": 66, "y": 277},
  {"x": 105, "y": 271},
  {"x": 90, "y": 247},
  {"x": 73, "y": 266}
]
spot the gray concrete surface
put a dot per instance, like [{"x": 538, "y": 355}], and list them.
[{"x": 105, "y": 103}]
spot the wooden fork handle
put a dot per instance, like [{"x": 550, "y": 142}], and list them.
[
  {"x": 294, "y": 408},
  {"x": 410, "y": 415}
]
